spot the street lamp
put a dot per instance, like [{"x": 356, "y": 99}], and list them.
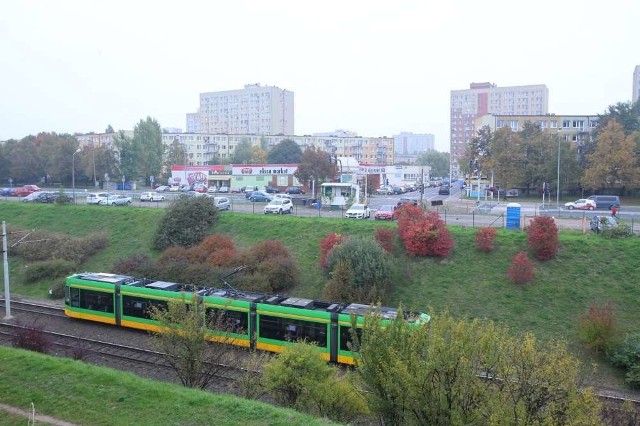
[
  {"x": 73, "y": 173},
  {"x": 558, "y": 182}
]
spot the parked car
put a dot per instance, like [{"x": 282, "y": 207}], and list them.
[
  {"x": 162, "y": 188},
  {"x": 222, "y": 203},
  {"x": 199, "y": 187},
  {"x": 33, "y": 197},
  {"x": 385, "y": 190},
  {"x": 279, "y": 206},
  {"x": 223, "y": 189},
  {"x": 174, "y": 188},
  {"x": 5, "y": 192},
  {"x": 282, "y": 196},
  {"x": 151, "y": 196},
  {"x": 599, "y": 223},
  {"x": 271, "y": 189},
  {"x": 294, "y": 190},
  {"x": 116, "y": 200},
  {"x": 581, "y": 204},
  {"x": 236, "y": 190},
  {"x": 259, "y": 196},
  {"x": 24, "y": 190},
  {"x": 444, "y": 190},
  {"x": 406, "y": 201},
  {"x": 396, "y": 190},
  {"x": 385, "y": 212},
  {"x": 97, "y": 197},
  {"x": 358, "y": 211}
]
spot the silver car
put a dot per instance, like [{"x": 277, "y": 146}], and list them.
[
  {"x": 116, "y": 200},
  {"x": 279, "y": 206}
]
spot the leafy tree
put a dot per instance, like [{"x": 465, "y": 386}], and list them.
[
  {"x": 438, "y": 161},
  {"x": 447, "y": 382},
  {"x": 507, "y": 158},
  {"x": 542, "y": 237},
  {"x": 243, "y": 152},
  {"x": 127, "y": 160},
  {"x": 315, "y": 165},
  {"x": 175, "y": 153},
  {"x": 369, "y": 264},
  {"x": 258, "y": 155},
  {"x": 285, "y": 152},
  {"x": 301, "y": 379},
  {"x": 148, "y": 149},
  {"x": 185, "y": 223},
  {"x": 625, "y": 113},
  {"x": 184, "y": 328},
  {"x": 479, "y": 149},
  {"x": 109, "y": 129},
  {"x": 613, "y": 162}
]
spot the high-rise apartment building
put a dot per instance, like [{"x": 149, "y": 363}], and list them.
[
  {"x": 254, "y": 110},
  {"x": 636, "y": 84},
  {"x": 408, "y": 143},
  {"x": 487, "y": 98}
]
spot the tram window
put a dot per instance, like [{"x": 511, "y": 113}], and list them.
[
  {"x": 134, "y": 306},
  {"x": 73, "y": 297},
  {"x": 233, "y": 321},
  {"x": 96, "y": 300},
  {"x": 289, "y": 329},
  {"x": 345, "y": 337}
]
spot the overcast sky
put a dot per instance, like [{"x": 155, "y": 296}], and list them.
[{"x": 374, "y": 67}]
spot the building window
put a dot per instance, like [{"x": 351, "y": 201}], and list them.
[
  {"x": 554, "y": 124},
  {"x": 566, "y": 123}
]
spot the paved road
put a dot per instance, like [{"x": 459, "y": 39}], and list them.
[{"x": 454, "y": 209}]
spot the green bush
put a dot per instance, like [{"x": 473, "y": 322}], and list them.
[
  {"x": 370, "y": 266},
  {"x": 597, "y": 328},
  {"x": 37, "y": 271},
  {"x": 627, "y": 356},
  {"x": 137, "y": 264},
  {"x": 621, "y": 231},
  {"x": 185, "y": 223}
]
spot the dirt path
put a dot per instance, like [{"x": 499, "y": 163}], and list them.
[{"x": 33, "y": 418}]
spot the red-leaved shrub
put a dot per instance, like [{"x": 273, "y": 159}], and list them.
[
  {"x": 222, "y": 257},
  {"x": 384, "y": 237},
  {"x": 423, "y": 235},
  {"x": 597, "y": 328},
  {"x": 521, "y": 270},
  {"x": 485, "y": 239},
  {"x": 542, "y": 237},
  {"x": 326, "y": 244}
]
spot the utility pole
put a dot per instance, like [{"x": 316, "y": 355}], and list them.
[
  {"x": 5, "y": 261},
  {"x": 421, "y": 185}
]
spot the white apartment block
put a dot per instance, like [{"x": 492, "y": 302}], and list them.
[
  {"x": 100, "y": 139},
  {"x": 487, "y": 98},
  {"x": 636, "y": 84},
  {"x": 254, "y": 110},
  {"x": 574, "y": 128},
  {"x": 212, "y": 148}
]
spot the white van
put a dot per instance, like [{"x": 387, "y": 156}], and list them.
[{"x": 96, "y": 197}]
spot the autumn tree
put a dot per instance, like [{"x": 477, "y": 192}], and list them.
[
  {"x": 286, "y": 151},
  {"x": 613, "y": 162},
  {"x": 507, "y": 158},
  {"x": 315, "y": 165},
  {"x": 182, "y": 336},
  {"x": 467, "y": 372}
]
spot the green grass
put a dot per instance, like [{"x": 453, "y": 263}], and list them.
[
  {"x": 588, "y": 269},
  {"x": 83, "y": 394}
]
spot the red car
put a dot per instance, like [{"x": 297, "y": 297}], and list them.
[
  {"x": 25, "y": 190},
  {"x": 386, "y": 212}
]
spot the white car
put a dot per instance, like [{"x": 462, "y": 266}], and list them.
[
  {"x": 358, "y": 211},
  {"x": 151, "y": 196},
  {"x": 223, "y": 190},
  {"x": 279, "y": 206},
  {"x": 116, "y": 200},
  {"x": 281, "y": 196},
  {"x": 222, "y": 203},
  {"x": 581, "y": 204},
  {"x": 162, "y": 188},
  {"x": 97, "y": 197}
]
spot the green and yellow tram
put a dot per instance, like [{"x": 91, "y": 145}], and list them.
[{"x": 266, "y": 322}]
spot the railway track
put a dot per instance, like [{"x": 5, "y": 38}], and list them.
[{"x": 77, "y": 346}]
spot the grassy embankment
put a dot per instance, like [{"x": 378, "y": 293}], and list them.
[
  {"x": 589, "y": 269},
  {"x": 83, "y": 394}
]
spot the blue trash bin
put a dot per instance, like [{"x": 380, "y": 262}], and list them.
[{"x": 513, "y": 216}]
